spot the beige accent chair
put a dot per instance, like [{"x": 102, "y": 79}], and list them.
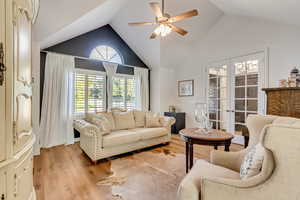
[
  {"x": 98, "y": 144},
  {"x": 278, "y": 179}
]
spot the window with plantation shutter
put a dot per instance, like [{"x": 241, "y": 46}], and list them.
[
  {"x": 96, "y": 92},
  {"x": 124, "y": 92},
  {"x": 79, "y": 95},
  {"x": 90, "y": 91}
]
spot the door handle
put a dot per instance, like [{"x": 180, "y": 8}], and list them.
[{"x": 230, "y": 111}]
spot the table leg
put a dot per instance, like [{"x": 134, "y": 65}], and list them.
[
  {"x": 246, "y": 141},
  {"x": 227, "y": 146},
  {"x": 187, "y": 157},
  {"x": 191, "y": 155}
]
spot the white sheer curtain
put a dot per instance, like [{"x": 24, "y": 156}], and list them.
[
  {"x": 111, "y": 70},
  {"x": 142, "y": 84},
  {"x": 56, "y": 125}
]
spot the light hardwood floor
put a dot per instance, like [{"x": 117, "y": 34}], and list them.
[{"x": 65, "y": 173}]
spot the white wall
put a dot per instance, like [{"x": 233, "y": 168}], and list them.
[{"x": 234, "y": 36}]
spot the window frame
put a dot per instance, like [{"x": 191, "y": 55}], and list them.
[
  {"x": 103, "y": 45},
  {"x": 126, "y": 76},
  {"x": 88, "y": 72}
]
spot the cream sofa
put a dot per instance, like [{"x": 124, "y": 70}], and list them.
[
  {"x": 278, "y": 179},
  {"x": 98, "y": 144}
]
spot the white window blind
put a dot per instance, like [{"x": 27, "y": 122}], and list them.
[
  {"x": 96, "y": 93},
  {"x": 79, "y": 96},
  {"x": 124, "y": 92},
  {"x": 89, "y": 92}
]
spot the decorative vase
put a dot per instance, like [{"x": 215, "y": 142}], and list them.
[
  {"x": 283, "y": 83},
  {"x": 201, "y": 116},
  {"x": 294, "y": 72}
]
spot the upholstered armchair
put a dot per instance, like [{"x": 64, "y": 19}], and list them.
[{"x": 278, "y": 179}]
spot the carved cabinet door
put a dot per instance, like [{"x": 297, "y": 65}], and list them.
[
  {"x": 2, "y": 185},
  {"x": 23, "y": 13},
  {"x": 2, "y": 86}
]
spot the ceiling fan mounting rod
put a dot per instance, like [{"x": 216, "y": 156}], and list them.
[{"x": 163, "y": 7}]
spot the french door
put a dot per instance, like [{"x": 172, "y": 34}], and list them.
[{"x": 234, "y": 92}]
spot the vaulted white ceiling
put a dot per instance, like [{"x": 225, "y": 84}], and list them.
[
  {"x": 171, "y": 50},
  {"x": 283, "y": 11},
  {"x": 60, "y": 20}
]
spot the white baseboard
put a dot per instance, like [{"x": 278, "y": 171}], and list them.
[{"x": 76, "y": 139}]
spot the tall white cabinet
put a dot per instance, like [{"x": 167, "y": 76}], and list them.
[{"x": 16, "y": 136}]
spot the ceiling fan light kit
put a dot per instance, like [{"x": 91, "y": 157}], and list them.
[{"x": 165, "y": 21}]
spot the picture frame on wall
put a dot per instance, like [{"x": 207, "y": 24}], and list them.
[{"x": 186, "y": 88}]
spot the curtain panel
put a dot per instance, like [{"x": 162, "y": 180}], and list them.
[
  {"x": 142, "y": 76},
  {"x": 111, "y": 70},
  {"x": 56, "y": 126}
]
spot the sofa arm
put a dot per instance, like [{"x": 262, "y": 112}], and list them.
[
  {"x": 167, "y": 121},
  {"x": 86, "y": 128},
  {"x": 90, "y": 138},
  {"x": 230, "y": 160}
]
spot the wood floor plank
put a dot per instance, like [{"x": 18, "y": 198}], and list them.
[{"x": 66, "y": 173}]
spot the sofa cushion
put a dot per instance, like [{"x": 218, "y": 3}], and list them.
[
  {"x": 107, "y": 115},
  {"x": 148, "y": 133},
  {"x": 191, "y": 184},
  {"x": 120, "y": 137},
  {"x": 103, "y": 124},
  {"x": 152, "y": 120},
  {"x": 140, "y": 118},
  {"x": 124, "y": 120}
]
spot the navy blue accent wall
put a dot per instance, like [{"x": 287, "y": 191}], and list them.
[{"x": 83, "y": 45}]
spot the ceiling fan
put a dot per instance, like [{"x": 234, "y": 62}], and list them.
[{"x": 165, "y": 21}]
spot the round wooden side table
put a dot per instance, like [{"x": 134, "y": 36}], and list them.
[{"x": 213, "y": 137}]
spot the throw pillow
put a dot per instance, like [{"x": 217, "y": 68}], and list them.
[
  {"x": 152, "y": 120},
  {"x": 139, "y": 117},
  {"x": 103, "y": 124},
  {"x": 124, "y": 120},
  {"x": 252, "y": 163},
  {"x": 108, "y": 116}
]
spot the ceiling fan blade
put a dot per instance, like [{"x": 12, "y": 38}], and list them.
[
  {"x": 141, "y": 23},
  {"x": 156, "y": 8},
  {"x": 183, "y": 16},
  {"x": 178, "y": 29}
]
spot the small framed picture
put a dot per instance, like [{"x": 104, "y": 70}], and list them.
[{"x": 186, "y": 88}]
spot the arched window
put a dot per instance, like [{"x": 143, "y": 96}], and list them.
[{"x": 106, "y": 53}]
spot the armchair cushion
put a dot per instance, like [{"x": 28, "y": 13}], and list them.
[{"x": 189, "y": 188}]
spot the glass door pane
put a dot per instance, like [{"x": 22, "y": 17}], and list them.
[
  {"x": 218, "y": 96},
  {"x": 246, "y": 75}
]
